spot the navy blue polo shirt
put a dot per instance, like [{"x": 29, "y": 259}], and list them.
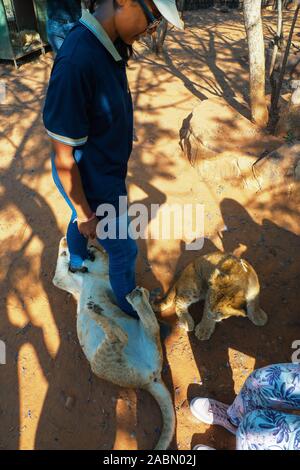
[{"x": 89, "y": 107}]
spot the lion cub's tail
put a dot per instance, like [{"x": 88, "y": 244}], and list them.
[
  {"x": 162, "y": 395},
  {"x": 166, "y": 301}
]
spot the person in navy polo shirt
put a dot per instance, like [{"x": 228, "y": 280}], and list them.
[{"x": 88, "y": 116}]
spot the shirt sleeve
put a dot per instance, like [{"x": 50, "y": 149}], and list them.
[{"x": 65, "y": 115}]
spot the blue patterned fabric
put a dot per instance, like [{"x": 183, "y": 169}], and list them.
[
  {"x": 256, "y": 410},
  {"x": 269, "y": 430}
]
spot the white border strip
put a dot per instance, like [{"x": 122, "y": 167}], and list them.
[{"x": 67, "y": 140}]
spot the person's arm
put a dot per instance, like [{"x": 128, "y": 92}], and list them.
[
  {"x": 67, "y": 122},
  {"x": 69, "y": 176}
]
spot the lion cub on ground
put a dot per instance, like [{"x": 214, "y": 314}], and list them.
[
  {"x": 120, "y": 349},
  {"x": 228, "y": 284}
]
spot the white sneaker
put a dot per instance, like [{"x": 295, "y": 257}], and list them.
[
  {"x": 211, "y": 411},
  {"x": 202, "y": 447}
]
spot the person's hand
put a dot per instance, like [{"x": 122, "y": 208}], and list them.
[{"x": 88, "y": 227}]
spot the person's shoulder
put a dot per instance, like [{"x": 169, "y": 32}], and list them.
[{"x": 81, "y": 48}]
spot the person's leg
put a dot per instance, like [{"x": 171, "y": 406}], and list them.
[
  {"x": 268, "y": 430},
  {"x": 77, "y": 243},
  {"x": 55, "y": 34},
  {"x": 122, "y": 255},
  {"x": 276, "y": 386},
  {"x": 210, "y": 411},
  {"x": 67, "y": 28}
]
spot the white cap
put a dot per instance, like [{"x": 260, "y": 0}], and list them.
[{"x": 169, "y": 11}]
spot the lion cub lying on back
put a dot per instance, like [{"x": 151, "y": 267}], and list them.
[
  {"x": 120, "y": 349},
  {"x": 229, "y": 286}
]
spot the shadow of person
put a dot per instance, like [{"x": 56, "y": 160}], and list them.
[{"x": 274, "y": 252}]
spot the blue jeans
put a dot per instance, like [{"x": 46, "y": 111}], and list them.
[
  {"x": 122, "y": 253},
  {"x": 57, "y": 32}
]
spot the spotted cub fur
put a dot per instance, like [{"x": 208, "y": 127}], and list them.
[{"x": 228, "y": 284}]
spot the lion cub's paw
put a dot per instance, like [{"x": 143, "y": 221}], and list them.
[
  {"x": 203, "y": 333},
  {"x": 259, "y": 318},
  {"x": 186, "y": 322}
]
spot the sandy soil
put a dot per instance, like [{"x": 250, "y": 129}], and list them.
[{"x": 48, "y": 397}]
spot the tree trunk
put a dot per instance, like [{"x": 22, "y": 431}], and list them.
[
  {"x": 162, "y": 35},
  {"x": 159, "y": 36},
  {"x": 277, "y": 37},
  {"x": 254, "y": 30},
  {"x": 274, "y": 104}
]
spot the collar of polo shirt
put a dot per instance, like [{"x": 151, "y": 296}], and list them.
[{"x": 90, "y": 22}]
